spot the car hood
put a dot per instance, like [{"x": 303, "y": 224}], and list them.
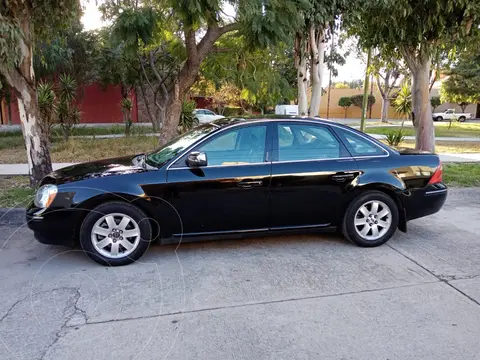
[{"x": 95, "y": 169}]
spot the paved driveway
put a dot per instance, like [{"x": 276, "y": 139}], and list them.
[{"x": 298, "y": 297}]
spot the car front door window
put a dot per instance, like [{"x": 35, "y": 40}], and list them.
[{"x": 239, "y": 146}]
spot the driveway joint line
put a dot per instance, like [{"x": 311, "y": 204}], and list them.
[
  {"x": 440, "y": 278},
  {"x": 259, "y": 303}
]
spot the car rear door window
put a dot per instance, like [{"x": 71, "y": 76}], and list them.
[
  {"x": 358, "y": 145},
  {"x": 245, "y": 145},
  {"x": 299, "y": 142}
]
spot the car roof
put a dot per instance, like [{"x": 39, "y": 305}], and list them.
[{"x": 228, "y": 121}]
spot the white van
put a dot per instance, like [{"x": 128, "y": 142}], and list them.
[{"x": 286, "y": 110}]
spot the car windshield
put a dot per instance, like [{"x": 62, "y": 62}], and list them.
[{"x": 160, "y": 156}]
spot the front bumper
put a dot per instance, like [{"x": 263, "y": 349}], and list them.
[{"x": 52, "y": 226}]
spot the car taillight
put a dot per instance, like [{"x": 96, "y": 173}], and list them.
[{"x": 437, "y": 176}]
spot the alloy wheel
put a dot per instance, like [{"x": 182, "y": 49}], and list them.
[
  {"x": 115, "y": 235},
  {"x": 372, "y": 220}
]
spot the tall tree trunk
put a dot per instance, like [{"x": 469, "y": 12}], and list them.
[
  {"x": 22, "y": 80},
  {"x": 385, "y": 105},
  {"x": 317, "y": 46},
  {"x": 365, "y": 91},
  {"x": 302, "y": 88},
  {"x": 301, "y": 53},
  {"x": 422, "y": 109}
]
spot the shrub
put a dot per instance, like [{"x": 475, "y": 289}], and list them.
[
  {"x": 357, "y": 100},
  {"x": 345, "y": 102}
]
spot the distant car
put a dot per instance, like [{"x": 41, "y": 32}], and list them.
[
  {"x": 451, "y": 114},
  {"x": 238, "y": 177},
  {"x": 204, "y": 116}
]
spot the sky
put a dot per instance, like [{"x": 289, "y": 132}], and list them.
[{"x": 352, "y": 70}]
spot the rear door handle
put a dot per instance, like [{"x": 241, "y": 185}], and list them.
[
  {"x": 342, "y": 177},
  {"x": 248, "y": 184}
]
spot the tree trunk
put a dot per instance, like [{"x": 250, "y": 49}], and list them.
[
  {"x": 172, "y": 116},
  {"x": 22, "y": 80},
  {"x": 385, "y": 105},
  {"x": 422, "y": 109},
  {"x": 302, "y": 88},
  {"x": 317, "y": 46}
]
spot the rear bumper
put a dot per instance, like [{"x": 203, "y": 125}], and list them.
[
  {"x": 52, "y": 227},
  {"x": 425, "y": 202}
]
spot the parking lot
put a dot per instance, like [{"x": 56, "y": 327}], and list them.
[{"x": 295, "y": 297}]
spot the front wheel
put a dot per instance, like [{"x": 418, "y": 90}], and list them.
[
  {"x": 438, "y": 118},
  {"x": 371, "y": 219},
  {"x": 115, "y": 233}
]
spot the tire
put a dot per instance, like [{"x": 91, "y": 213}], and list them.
[
  {"x": 462, "y": 118},
  {"x": 438, "y": 118},
  {"x": 353, "y": 232},
  {"x": 134, "y": 221},
  {"x": 196, "y": 122}
]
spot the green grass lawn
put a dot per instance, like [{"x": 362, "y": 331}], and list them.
[
  {"x": 441, "y": 129},
  {"x": 461, "y": 174},
  {"x": 15, "y": 191}
]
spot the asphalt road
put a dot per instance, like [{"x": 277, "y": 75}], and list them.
[{"x": 297, "y": 297}]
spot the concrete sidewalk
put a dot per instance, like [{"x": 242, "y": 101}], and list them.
[
  {"x": 437, "y": 138},
  {"x": 22, "y": 169}
]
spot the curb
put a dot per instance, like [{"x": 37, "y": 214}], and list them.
[{"x": 12, "y": 217}]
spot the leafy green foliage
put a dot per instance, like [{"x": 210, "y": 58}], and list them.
[
  {"x": 405, "y": 24},
  {"x": 402, "y": 100},
  {"x": 263, "y": 77},
  {"x": 47, "y": 106},
  {"x": 435, "y": 102},
  {"x": 187, "y": 119},
  {"x": 357, "y": 100},
  {"x": 394, "y": 138},
  {"x": 126, "y": 106},
  {"x": 346, "y": 102},
  {"x": 67, "y": 111},
  {"x": 463, "y": 82}
]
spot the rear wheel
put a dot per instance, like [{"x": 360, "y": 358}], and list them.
[
  {"x": 115, "y": 234},
  {"x": 462, "y": 118},
  {"x": 371, "y": 219},
  {"x": 438, "y": 118}
]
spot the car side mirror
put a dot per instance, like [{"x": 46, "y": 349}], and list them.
[{"x": 196, "y": 159}]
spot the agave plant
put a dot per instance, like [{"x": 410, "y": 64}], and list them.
[
  {"x": 187, "y": 119},
  {"x": 47, "y": 106},
  {"x": 67, "y": 112},
  {"x": 403, "y": 101}
]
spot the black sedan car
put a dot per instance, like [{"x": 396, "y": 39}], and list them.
[{"x": 237, "y": 177}]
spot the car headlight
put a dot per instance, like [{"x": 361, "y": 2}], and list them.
[{"x": 45, "y": 196}]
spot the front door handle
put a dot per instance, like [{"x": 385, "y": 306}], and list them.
[
  {"x": 342, "y": 177},
  {"x": 248, "y": 184}
]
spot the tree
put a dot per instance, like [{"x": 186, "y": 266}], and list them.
[
  {"x": 387, "y": 72},
  {"x": 463, "y": 83},
  {"x": 260, "y": 77},
  {"x": 310, "y": 42},
  {"x": 22, "y": 23},
  {"x": 357, "y": 100},
  {"x": 416, "y": 29},
  {"x": 171, "y": 40},
  {"x": 458, "y": 97},
  {"x": 345, "y": 102},
  {"x": 435, "y": 102}
]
